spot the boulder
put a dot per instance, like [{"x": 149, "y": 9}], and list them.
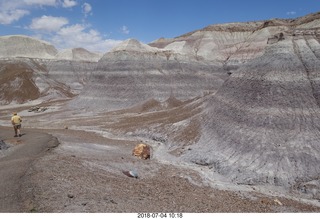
[{"x": 142, "y": 151}]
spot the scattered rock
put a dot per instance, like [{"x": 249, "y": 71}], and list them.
[
  {"x": 131, "y": 173},
  {"x": 142, "y": 151},
  {"x": 70, "y": 196},
  {"x": 37, "y": 109},
  {"x": 276, "y": 38},
  {"x": 3, "y": 145},
  {"x": 113, "y": 202},
  {"x": 159, "y": 139},
  {"x": 278, "y": 202},
  {"x": 310, "y": 188},
  {"x": 107, "y": 199}
]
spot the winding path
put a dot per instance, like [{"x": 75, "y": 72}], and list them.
[{"x": 13, "y": 166}]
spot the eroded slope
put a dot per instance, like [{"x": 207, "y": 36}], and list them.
[{"x": 262, "y": 126}]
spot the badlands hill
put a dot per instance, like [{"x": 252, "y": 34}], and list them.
[
  {"x": 78, "y": 54},
  {"x": 31, "y": 69},
  {"x": 23, "y": 46},
  {"x": 241, "y": 99},
  {"x": 133, "y": 73}
]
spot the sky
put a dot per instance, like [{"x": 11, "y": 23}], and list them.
[{"x": 99, "y": 25}]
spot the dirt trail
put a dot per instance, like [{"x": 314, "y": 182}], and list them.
[{"x": 22, "y": 152}]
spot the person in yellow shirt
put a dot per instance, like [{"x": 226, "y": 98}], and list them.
[{"x": 16, "y": 122}]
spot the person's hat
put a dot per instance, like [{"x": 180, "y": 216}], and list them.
[{"x": 14, "y": 113}]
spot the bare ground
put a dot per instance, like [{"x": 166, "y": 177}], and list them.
[{"x": 85, "y": 174}]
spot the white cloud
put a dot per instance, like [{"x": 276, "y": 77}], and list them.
[
  {"x": 8, "y": 17},
  {"x": 41, "y": 2},
  {"x": 86, "y": 8},
  {"x": 10, "y": 5},
  {"x": 48, "y": 23},
  {"x": 71, "y": 30},
  {"x": 10, "y": 11},
  {"x": 57, "y": 30},
  {"x": 69, "y": 3},
  {"x": 14, "y": 10},
  {"x": 125, "y": 30},
  {"x": 78, "y": 35},
  {"x": 291, "y": 13}
]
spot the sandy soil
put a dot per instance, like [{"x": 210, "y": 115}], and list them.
[{"x": 85, "y": 174}]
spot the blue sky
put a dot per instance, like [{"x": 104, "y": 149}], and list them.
[{"x": 98, "y": 25}]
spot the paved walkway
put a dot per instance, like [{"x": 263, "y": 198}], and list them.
[{"x": 18, "y": 158}]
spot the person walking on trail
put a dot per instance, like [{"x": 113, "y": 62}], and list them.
[{"x": 16, "y": 122}]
